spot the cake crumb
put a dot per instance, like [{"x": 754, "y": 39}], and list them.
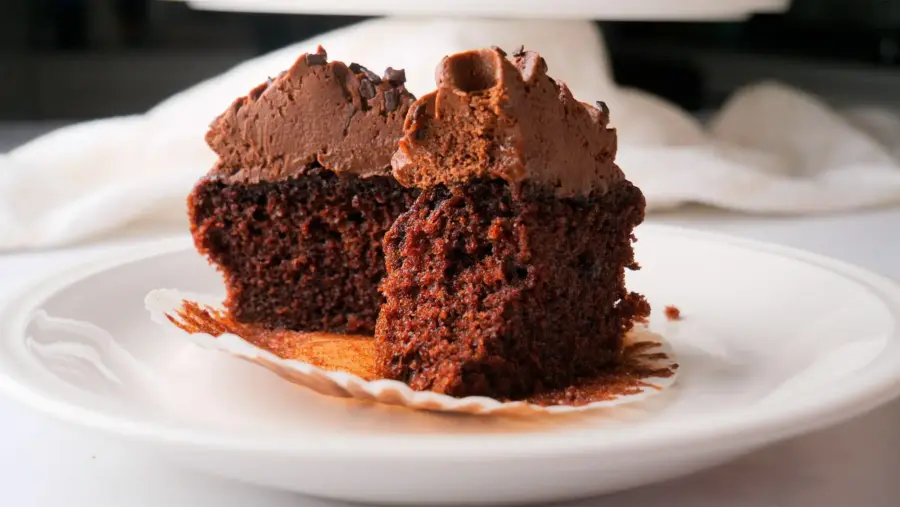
[{"x": 673, "y": 313}]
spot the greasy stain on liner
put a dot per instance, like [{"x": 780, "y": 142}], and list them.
[{"x": 355, "y": 354}]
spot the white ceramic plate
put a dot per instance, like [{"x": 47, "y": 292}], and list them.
[{"x": 774, "y": 343}]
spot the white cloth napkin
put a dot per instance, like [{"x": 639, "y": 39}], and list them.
[{"x": 771, "y": 149}]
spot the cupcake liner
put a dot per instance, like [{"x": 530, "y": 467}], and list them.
[{"x": 341, "y": 366}]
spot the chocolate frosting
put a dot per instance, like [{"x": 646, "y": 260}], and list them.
[
  {"x": 493, "y": 117},
  {"x": 348, "y": 119}
]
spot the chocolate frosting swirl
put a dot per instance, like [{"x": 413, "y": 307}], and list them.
[
  {"x": 347, "y": 119},
  {"x": 493, "y": 117}
]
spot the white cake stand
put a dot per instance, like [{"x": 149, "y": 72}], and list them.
[{"x": 546, "y": 9}]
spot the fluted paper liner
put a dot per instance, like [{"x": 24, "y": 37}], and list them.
[{"x": 343, "y": 365}]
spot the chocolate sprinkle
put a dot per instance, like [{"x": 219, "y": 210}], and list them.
[
  {"x": 316, "y": 59},
  {"x": 366, "y": 89},
  {"x": 603, "y": 107},
  {"x": 395, "y": 76},
  {"x": 499, "y": 50},
  {"x": 520, "y": 51},
  {"x": 373, "y": 77},
  {"x": 391, "y": 100},
  {"x": 359, "y": 69}
]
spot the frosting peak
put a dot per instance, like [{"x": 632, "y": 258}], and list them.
[{"x": 498, "y": 117}]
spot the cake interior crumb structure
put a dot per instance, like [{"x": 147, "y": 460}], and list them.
[
  {"x": 506, "y": 277},
  {"x": 294, "y": 211}
]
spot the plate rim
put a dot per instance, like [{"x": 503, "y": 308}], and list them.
[{"x": 857, "y": 396}]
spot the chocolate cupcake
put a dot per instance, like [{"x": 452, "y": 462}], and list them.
[
  {"x": 294, "y": 211},
  {"x": 506, "y": 277}
]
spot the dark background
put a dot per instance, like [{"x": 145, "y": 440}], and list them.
[{"x": 75, "y": 59}]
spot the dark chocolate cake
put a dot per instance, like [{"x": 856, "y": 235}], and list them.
[
  {"x": 507, "y": 275},
  {"x": 294, "y": 211}
]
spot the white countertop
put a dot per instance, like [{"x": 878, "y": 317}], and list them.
[{"x": 44, "y": 464}]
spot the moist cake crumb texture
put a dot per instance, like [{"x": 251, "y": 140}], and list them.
[
  {"x": 302, "y": 253},
  {"x": 506, "y": 292}
]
